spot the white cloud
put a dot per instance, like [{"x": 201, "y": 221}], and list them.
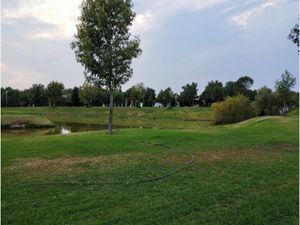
[
  {"x": 242, "y": 19},
  {"x": 61, "y": 14},
  {"x": 160, "y": 10}
]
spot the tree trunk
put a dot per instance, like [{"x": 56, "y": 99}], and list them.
[{"x": 110, "y": 115}]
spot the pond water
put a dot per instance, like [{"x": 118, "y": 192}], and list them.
[{"x": 61, "y": 128}]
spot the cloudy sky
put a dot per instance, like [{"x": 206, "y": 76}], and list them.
[{"x": 183, "y": 41}]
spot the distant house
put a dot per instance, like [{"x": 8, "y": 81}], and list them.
[{"x": 158, "y": 104}]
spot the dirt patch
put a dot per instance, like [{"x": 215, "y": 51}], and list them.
[
  {"x": 74, "y": 164},
  {"x": 284, "y": 146},
  {"x": 232, "y": 155}
]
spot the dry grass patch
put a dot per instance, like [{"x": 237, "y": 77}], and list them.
[
  {"x": 74, "y": 164},
  {"x": 234, "y": 155}
]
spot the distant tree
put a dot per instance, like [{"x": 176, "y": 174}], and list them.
[
  {"x": 37, "y": 95},
  {"x": 166, "y": 97},
  {"x": 150, "y": 97},
  {"x": 75, "y": 99},
  {"x": 14, "y": 97},
  {"x": 189, "y": 93},
  {"x": 88, "y": 93},
  {"x": 3, "y": 97},
  {"x": 266, "y": 102},
  {"x": 229, "y": 88},
  {"x": 66, "y": 98},
  {"x": 119, "y": 97},
  {"x": 103, "y": 45},
  {"x": 213, "y": 92},
  {"x": 102, "y": 96},
  {"x": 243, "y": 85},
  {"x": 54, "y": 92},
  {"x": 136, "y": 94},
  {"x": 283, "y": 88},
  {"x": 295, "y": 99},
  {"x": 294, "y": 35}
]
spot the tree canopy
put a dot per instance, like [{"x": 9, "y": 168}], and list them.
[
  {"x": 188, "y": 94},
  {"x": 54, "y": 92}
]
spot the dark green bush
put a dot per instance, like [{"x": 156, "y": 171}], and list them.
[{"x": 232, "y": 110}]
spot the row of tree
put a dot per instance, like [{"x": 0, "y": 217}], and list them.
[{"x": 91, "y": 95}]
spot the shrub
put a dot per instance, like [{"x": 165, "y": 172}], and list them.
[{"x": 232, "y": 110}]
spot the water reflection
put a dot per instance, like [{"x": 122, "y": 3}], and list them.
[
  {"x": 61, "y": 128},
  {"x": 68, "y": 128}
]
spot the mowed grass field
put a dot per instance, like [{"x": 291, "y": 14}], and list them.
[{"x": 245, "y": 173}]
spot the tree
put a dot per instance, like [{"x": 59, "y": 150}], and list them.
[
  {"x": 229, "y": 89},
  {"x": 243, "y": 85},
  {"x": 283, "y": 87},
  {"x": 103, "y": 44},
  {"x": 88, "y": 93},
  {"x": 37, "y": 95},
  {"x": 119, "y": 97},
  {"x": 294, "y": 35},
  {"x": 54, "y": 92},
  {"x": 13, "y": 97},
  {"x": 266, "y": 102},
  {"x": 166, "y": 97},
  {"x": 75, "y": 99},
  {"x": 66, "y": 97},
  {"x": 189, "y": 93},
  {"x": 213, "y": 92},
  {"x": 150, "y": 97},
  {"x": 136, "y": 94}
]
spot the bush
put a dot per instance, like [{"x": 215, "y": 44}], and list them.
[{"x": 232, "y": 110}]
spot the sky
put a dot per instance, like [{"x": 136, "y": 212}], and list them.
[{"x": 183, "y": 41}]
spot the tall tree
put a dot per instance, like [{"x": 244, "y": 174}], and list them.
[
  {"x": 150, "y": 97},
  {"x": 54, "y": 92},
  {"x": 88, "y": 93},
  {"x": 283, "y": 87},
  {"x": 266, "y": 102},
  {"x": 136, "y": 94},
  {"x": 75, "y": 99},
  {"x": 37, "y": 95},
  {"x": 213, "y": 92},
  {"x": 103, "y": 44},
  {"x": 188, "y": 94},
  {"x": 166, "y": 97},
  {"x": 243, "y": 85}
]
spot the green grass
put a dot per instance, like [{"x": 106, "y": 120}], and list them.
[
  {"x": 175, "y": 118},
  {"x": 245, "y": 173}
]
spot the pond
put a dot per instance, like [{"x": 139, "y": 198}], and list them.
[{"x": 61, "y": 128}]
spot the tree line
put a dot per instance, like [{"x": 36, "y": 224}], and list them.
[{"x": 55, "y": 94}]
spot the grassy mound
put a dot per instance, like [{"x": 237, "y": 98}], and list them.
[
  {"x": 24, "y": 121},
  {"x": 294, "y": 112}
]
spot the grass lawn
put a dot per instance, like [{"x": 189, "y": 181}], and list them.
[{"x": 246, "y": 173}]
